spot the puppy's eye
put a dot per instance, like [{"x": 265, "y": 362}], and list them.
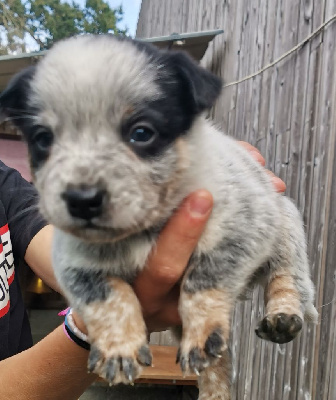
[
  {"x": 142, "y": 135},
  {"x": 43, "y": 139}
]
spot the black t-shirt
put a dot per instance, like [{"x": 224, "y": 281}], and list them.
[{"x": 19, "y": 223}]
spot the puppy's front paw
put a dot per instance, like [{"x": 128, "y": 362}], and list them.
[
  {"x": 197, "y": 353},
  {"x": 119, "y": 364},
  {"x": 117, "y": 334},
  {"x": 279, "y": 328}
]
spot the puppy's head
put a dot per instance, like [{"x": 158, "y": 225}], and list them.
[{"x": 105, "y": 120}]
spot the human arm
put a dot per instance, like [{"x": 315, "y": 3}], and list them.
[
  {"x": 38, "y": 257},
  {"x": 56, "y": 368}
]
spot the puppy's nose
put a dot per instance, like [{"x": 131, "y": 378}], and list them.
[{"x": 84, "y": 202}]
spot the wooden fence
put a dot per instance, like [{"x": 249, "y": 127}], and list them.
[{"x": 289, "y": 113}]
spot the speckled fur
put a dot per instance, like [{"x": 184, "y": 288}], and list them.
[
  {"x": 121, "y": 337},
  {"x": 83, "y": 91}
]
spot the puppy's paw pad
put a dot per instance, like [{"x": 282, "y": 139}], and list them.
[
  {"x": 279, "y": 328},
  {"x": 195, "y": 359}
]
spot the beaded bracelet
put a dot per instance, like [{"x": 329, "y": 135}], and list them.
[{"x": 73, "y": 332}]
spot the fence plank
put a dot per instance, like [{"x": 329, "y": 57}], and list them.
[{"x": 289, "y": 113}]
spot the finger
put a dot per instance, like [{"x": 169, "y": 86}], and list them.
[
  {"x": 247, "y": 146},
  {"x": 279, "y": 184},
  {"x": 167, "y": 314},
  {"x": 255, "y": 153},
  {"x": 174, "y": 247},
  {"x": 258, "y": 157}
]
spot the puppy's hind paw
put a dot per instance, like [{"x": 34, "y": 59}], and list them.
[
  {"x": 194, "y": 357},
  {"x": 279, "y": 328}
]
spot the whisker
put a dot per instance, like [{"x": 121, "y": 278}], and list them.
[
  {"x": 17, "y": 110},
  {"x": 18, "y": 117}
]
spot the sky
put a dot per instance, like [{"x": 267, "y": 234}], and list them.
[{"x": 131, "y": 13}]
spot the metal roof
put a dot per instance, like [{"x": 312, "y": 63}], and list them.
[
  {"x": 10, "y": 65},
  {"x": 194, "y": 43}
]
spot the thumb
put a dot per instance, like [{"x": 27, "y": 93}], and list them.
[{"x": 174, "y": 247}]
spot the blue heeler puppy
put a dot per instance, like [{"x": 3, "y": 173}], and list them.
[{"x": 117, "y": 140}]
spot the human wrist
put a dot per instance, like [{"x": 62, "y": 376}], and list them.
[
  {"x": 79, "y": 322},
  {"x": 74, "y": 332}
]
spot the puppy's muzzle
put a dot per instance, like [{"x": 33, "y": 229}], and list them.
[{"x": 84, "y": 202}]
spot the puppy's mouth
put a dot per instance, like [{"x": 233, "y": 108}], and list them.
[
  {"x": 91, "y": 225},
  {"x": 94, "y": 233}
]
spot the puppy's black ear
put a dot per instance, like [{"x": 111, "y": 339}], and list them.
[
  {"x": 13, "y": 100},
  {"x": 201, "y": 86}
]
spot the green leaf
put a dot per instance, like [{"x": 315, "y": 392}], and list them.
[{"x": 46, "y": 22}]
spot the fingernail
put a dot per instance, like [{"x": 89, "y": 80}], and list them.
[
  {"x": 199, "y": 206},
  {"x": 275, "y": 180}
]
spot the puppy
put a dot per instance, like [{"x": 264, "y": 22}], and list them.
[{"x": 117, "y": 140}]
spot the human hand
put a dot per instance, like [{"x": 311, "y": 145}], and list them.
[
  {"x": 277, "y": 182},
  {"x": 157, "y": 286}
]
